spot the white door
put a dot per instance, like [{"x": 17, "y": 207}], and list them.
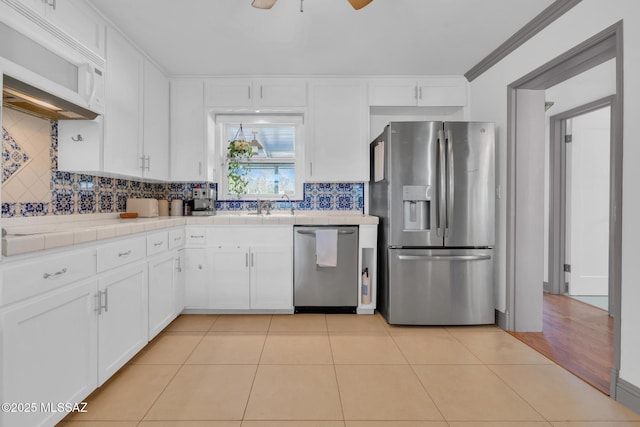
[
  {"x": 271, "y": 277},
  {"x": 230, "y": 284},
  {"x": 49, "y": 353},
  {"x": 123, "y": 319},
  {"x": 162, "y": 293},
  {"x": 587, "y": 174},
  {"x": 196, "y": 288}
]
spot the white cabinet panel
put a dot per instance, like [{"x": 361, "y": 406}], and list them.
[
  {"x": 162, "y": 293},
  {"x": 230, "y": 277},
  {"x": 120, "y": 253},
  {"x": 338, "y": 146},
  {"x": 436, "y": 91},
  {"x": 196, "y": 285},
  {"x": 271, "y": 277},
  {"x": 123, "y": 318},
  {"x": 393, "y": 93},
  {"x": 262, "y": 93},
  {"x": 155, "y": 153},
  {"x": 79, "y": 21},
  {"x": 49, "y": 352},
  {"x": 229, "y": 93},
  {"x": 179, "y": 280},
  {"x": 188, "y": 145},
  {"x": 123, "y": 115},
  {"x": 444, "y": 92}
]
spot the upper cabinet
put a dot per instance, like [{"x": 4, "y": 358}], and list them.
[
  {"x": 123, "y": 114},
  {"x": 337, "y": 138},
  {"x": 423, "y": 92},
  {"x": 155, "y": 146},
  {"x": 74, "y": 17},
  {"x": 190, "y": 152},
  {"x": 256, "y": 93}
]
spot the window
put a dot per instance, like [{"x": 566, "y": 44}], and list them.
[{"x": 275, "y": 166}]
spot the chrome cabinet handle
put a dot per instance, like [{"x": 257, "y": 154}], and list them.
[
  {"x": 246, "y": 260},
  {"x": 51, "y": 3},
  {"x": 124, "y": 254},
  {"x": 251, "y": 260},
  {"x": 101, "y": 306},
  {"x": 199, "y": 266},
  {"x": 157, "y": 244},
  {"x": 98, "y": 308},
  {"x": 197, "y": 237},
  {"x": 420, "y": 92},
  {"x": 54, "y": 275},
  {"x": 249, "y": 92},
  {"x": 260, "y": 91}
]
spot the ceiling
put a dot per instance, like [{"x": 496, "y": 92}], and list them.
[{"x": 229, "y": 37}]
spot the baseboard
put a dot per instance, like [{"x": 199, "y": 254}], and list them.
[
  {"x": 501, "y": 319},
  {"x": 628, "y": 394}
]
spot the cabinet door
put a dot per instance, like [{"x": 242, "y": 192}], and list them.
[
  {"x": 280, "y": 93},
  {"x": 179, "y": 280},
  {"x": 230, "y": 283},
  {"x": 196, "y": 288},
  {"x": 393, "y": 93},
  {"x": 162, "y": 293},
  {"x": 79, "y": 21},
  {"x": 156, "y": 124},
  {"x": 442, "y": 92},
  {"x": 49, "y": 352},
  {"x": 123, "y": 318},
  {"x": 338, "y": 137},
  {"x": 271, "y": 277},
  {"x": 123, "y": 114},
  {"x": 188, "y": 145},
  {"x": 229, "y": 93}
]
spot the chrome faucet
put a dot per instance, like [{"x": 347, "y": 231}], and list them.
[
  {"x": 286, "y": 196},
  {"x": 264, "y": 205}
]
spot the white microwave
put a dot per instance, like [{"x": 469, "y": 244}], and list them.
[{"x": 69, "y": 80}]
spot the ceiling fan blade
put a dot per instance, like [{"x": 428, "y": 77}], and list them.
[
  {"x": 263, "y": 4},
  {"x": 359, "y": 4}
]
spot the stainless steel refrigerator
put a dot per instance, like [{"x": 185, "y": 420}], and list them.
[{"x": 432, "y": 186}]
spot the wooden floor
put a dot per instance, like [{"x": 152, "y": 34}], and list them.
[{"x": 577, "y": 336}]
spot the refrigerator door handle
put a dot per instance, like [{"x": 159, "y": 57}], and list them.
[
  {"x": 441, "y": 189},
  {"x": 482, "y": 257},
  {"x": 450, "y": 183}
]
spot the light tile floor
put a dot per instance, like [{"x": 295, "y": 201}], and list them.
[{"x": 316, "y": 370}]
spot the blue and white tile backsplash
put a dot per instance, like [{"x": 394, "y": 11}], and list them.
[{"x": 72, "y": 193}]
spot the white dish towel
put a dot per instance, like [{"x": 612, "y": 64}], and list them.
[{"x": 327, "y": 248}]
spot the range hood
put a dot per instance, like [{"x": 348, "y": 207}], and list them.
[{"x": 23, "y": 97}]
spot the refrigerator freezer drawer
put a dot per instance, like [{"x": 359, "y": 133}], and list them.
[{"x": 440, "y": 287}]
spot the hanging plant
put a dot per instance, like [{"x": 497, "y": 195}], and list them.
[{"x": 238, "y": 149}]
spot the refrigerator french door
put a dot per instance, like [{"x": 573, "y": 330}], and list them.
[{"x": 433, "y": 189}]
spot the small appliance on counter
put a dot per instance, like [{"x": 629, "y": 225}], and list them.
[
  {"x": 145, "y": 208},
  {"x": 204, "y": 202}
]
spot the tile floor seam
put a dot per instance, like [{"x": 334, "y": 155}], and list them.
[
  {"x": 335, "y": 372},
  {"x": 424, "y": 387},
  {"x": 255, "y": 374}
]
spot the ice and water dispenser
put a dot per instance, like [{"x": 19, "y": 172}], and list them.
[{"x": 416, "y": 200}]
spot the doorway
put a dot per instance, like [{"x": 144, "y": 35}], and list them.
[{"x": 580, "y": 171}]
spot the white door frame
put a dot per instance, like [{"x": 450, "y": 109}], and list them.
[{"x": 598, "y": 49}]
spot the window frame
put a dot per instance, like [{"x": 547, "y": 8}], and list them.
[{"x": 222, "y": 120}]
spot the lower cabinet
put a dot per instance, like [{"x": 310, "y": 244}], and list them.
[
  {"x": 162, "y": 292},
  {"x": 49, "y": 354},
  {"x": 271, "y": 277},
  {"x": 195, "y": 276},
  {"x": 230, "y": 278},
  {"x": 179, "y": 274},
  {"x": 122, "y": 318}
]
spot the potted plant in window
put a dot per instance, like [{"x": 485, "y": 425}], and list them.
[{"x": 238, "y": 149}]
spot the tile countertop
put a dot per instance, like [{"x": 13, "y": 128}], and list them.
[{"x": 26, "y": 235}]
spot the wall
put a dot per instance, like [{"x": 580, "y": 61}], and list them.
[
  {"x": 33, "y": 186},
  {"x": 489, "y": 102}
]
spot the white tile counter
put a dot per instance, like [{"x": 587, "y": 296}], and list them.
[{"x": 26, "y": 235}]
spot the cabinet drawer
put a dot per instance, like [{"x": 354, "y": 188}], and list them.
[
  {"x": 45, "y": 274},
  {"x": 196, "y": 236},
  {"x": 157, "y": 243},
  {"x": 176, "y": 238},
  {"x": 121, "y": 253}
]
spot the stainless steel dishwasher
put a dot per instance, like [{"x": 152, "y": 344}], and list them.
[{"x": 325, "y": 289}]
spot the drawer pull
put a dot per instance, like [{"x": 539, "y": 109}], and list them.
[
  {"x": 157, "y": 244},
  {"x": 124, "y": 254},
  {"x": 197, "y": 237},
  {"x": 177, "y": 239},
  {"x": 54, "y": 275}
]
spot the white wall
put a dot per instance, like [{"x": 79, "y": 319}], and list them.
[{"x": 489, "y": 102}]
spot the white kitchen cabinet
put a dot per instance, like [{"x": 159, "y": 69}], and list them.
[
  {"x": 179, "y": 280},
  {"x": 252, "y": 268},
  {"x": 271, "y": 277},
  {"x": 154, "y": 153},
  {"x": 49, "y": 353},
  {"x": 337, "y": 140},
  {"x": 230, "y": 281},
  {"x": 196, "y": 285},
  {"x": 123, "y": 113},
  {"x": 162, "y": 292},
  {"x": 74, "y": 17},
  {"x": 190, "y": 152},
  {"x": 122, "y": 317},
  {"x": 434, "y": 91},
  {"x": 256, "y": 93}
]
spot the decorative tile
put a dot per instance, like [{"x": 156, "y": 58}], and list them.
[
  {"x": 8, "y": 210},
  {"x": 34, "y": 209},
  {"x": 86, "y": 202},
  {"x": 62, "y": 202},
  {"x": 324, "y": 202},
  {"x": 14, "y": 157},
  {"x": 105, "y": 202}
]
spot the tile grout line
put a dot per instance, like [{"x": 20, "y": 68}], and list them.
[
  {"x": 255, "y": 373},
  {"x": 335, "y": 372}
]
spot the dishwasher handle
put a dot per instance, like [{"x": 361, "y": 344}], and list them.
[{"x": 313, "y": 232}]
